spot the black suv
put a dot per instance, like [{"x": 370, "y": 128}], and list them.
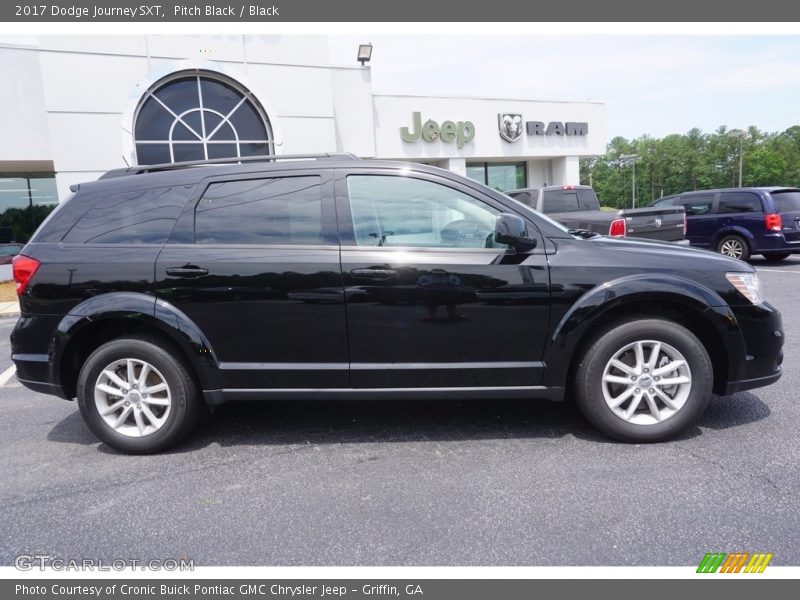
[{"x": 157, "y": 293}]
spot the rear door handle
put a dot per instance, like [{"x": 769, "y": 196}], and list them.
[
  {"x": 187, "y": 271},
  {"x": 374, "y": 274}
]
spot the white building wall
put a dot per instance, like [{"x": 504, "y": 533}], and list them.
[
  {"x": 353, "y": 111},
  {"x": 25, "y": 134},
  {"x": 566, "y": 171},
  {"x": 73, "y": 99}
]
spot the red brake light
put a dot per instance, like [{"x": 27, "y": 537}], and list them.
[
  {"x": 617, "y": 228},
  {"x": 567, "y": 187},
  {"x": 24, "y": 268},
  {"x": 773, "y": 222}
]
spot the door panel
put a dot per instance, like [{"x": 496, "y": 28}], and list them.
[
  {"x": 269, "y": 299},
  {"x": 448, "y": 311},
  {"x": 701, "y": 218}
]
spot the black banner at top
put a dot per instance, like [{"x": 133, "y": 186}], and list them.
[{"x": 513, "y": 11}]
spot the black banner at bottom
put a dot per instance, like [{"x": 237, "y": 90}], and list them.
[{"x": 406, "y": 589}]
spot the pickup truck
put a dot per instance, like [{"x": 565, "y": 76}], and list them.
[{"x": 577, "y": 207}]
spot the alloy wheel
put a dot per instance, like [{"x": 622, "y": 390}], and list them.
[
  {"x": 732, "y": 248},
  {"x": 132, "y": 397},
  {"x": 646, "y": 382}
]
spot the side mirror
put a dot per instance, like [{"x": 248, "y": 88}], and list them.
[{"x": 512, "y": 230}]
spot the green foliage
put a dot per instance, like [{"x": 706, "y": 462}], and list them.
[{"x": 693, "y": 161}]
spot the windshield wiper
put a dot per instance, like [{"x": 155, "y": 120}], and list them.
[{"x": 584, "y": 233}]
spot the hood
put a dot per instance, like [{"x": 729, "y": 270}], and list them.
[{"x": 669, "y": 250}]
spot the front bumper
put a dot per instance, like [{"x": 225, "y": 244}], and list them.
[{"x": 753, "y": 338}]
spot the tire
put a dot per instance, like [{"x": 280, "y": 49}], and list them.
[
  {"x": 734, "y": 246},
  {"x": 776, "y": 256},
  {"x": 159, "y": 413},
  {"x": 595, "y": 395}
]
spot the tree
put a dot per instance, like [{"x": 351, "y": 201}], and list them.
[{"x": 692, "y": 161}]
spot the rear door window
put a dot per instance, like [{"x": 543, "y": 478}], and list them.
[
  {"x": 275, "y": 211},
  {"x": 739, "y": 202}
]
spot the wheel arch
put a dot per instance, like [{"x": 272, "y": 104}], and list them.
[
  {"x": 737, "y": 230},
  {"x": 111, "y": 316},
  {"x": 676, "y": 299}
]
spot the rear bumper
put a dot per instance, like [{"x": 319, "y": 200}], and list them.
[
  {"x": 44, "y": 388},
  {"x": 33, "y": 371},
  {"x": 774, "y": 242}
]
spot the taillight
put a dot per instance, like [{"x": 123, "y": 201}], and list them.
[
  {"x": 617, "y": 228},
  {"x": 773, "y": 222},
  {"x": 685, "y": 225},
  {"x": 24, "y": 268}
]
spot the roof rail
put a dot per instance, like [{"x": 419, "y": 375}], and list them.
[{"x": 139, "y": 169}]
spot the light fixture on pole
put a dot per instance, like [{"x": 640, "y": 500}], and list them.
[
  {"x": 634, "y": 158},
  {"x": 364, "y": 53},
  {"x": 741, "y": 135}
]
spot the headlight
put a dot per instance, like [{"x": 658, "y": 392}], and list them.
[{"x": 748, "y": 285}]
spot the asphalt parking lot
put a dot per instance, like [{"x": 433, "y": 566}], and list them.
[{"x": 412, "y": 483}]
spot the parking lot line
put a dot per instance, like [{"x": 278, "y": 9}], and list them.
[
  {"x": 762, "y": 269},
  {"x": 7, "y": 374}
]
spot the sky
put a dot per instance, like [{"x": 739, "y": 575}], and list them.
[{"x": 655, "y": 85}]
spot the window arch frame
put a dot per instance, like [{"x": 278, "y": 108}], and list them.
[{"x": 240, "y": 81}]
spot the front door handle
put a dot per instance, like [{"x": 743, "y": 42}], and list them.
[
  {"x": 374, "y": 274},
  {"x": 187, "y": 271}
]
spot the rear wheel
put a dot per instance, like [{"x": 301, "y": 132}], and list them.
[
  {"x": 734, "y": 246},
  {"x": 644, "y": 380},
  {"x": 776, "y": 256},
  {"x": 137, "y": 396}
]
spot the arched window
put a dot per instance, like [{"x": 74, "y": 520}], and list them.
[{"x": 199, "y": 116}]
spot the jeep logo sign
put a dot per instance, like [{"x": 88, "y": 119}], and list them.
[
  {"x": 460, "y": 132},
  {"x": 510, "y": 127}
]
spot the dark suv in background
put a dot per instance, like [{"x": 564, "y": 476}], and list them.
[
  {"x": 740, "y": 222},
  {"x": 159, "y": 292}
]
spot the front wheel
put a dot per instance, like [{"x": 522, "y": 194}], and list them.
[
  {"x": 644, "y": 380},
  {"x": 776, "y": 256},
  {"x": 137, "y": 396}
]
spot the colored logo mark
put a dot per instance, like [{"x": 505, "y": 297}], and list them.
[{"x": 735, "y": 562}]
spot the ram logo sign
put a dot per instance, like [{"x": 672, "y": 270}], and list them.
[
  {"x": 512, "y": 125},
  {"x": 735, "y": 562}
]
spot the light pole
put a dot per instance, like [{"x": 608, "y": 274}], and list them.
[
  {"x": 741, "y": 135},
  {"x": 634, "y": 158}
]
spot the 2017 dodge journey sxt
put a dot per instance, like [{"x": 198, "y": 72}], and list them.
[{"x": 158, "y": 292}]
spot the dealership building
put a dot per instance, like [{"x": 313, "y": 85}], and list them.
[{"x": 74, "y": 107}]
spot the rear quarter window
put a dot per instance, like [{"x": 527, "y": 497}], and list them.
[
  {"x": 134, "y": 217},
  {"x": 786, "y": 201}
]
